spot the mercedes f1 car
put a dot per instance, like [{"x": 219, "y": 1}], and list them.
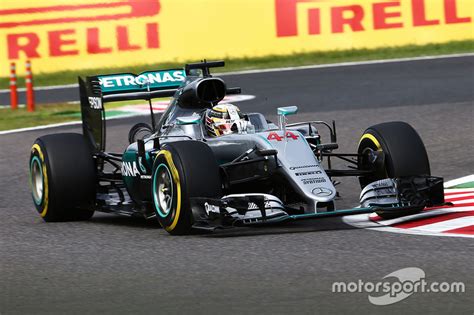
[{"x": 175, "y": 172}]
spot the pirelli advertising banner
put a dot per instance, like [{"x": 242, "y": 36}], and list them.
[{"x": 76, "y": 34}]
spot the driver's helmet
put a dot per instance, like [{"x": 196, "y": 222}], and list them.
[{"x": 224, "y": 119}]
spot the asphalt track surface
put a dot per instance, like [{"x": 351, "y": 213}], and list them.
[{"x": 121, "y": 265}]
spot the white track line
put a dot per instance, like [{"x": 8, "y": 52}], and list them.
[
  {"x": 446, "y": 225},
  {"x": 459, "y": 181},
  {"x": 330, "y": 65},
  {"x": 348, "y": 64},
  {"x": 160, "y": 108},
  {"x": 333, "y": 65},
  {"x": 459, "y": 195},
  {"x": 460, "y": 202},
  {"x": 434, "y": 229},
  {"x": 458, "y": 190},
  {"x": 361, "y": 221},
  {"x": 423, "y": 215},
  {"x": 70, "y": 123},
  {"x": 42, "y": 88}
]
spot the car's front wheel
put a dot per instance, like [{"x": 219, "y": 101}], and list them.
[
  {"x": 183, "y": 170},
  {"x": 403, "y": 151}
]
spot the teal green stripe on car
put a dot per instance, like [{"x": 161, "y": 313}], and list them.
[{"x": 266, "y": 140}]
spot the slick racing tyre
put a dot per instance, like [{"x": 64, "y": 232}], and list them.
[
  {"x": 62, "y": 177},
  {"x": 183, "y": 170},
  {"x": 404, "y": 154},
  {"x": 139, "y": 131}
]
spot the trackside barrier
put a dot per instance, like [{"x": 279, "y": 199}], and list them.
[
  {"x": 13, "y": 87},
  {"x": 63, "y": 35},
  {"x": 30, "y": 95}
]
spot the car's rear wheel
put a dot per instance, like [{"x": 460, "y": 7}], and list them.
[
  {"x": 404, "y": 154},
  {"x": 62, "y": 177},
  {"x": 183, "y": 170},
  {"x": 139, "y": 131}
]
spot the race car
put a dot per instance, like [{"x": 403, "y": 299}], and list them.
[{"x": 206, "y": 165}]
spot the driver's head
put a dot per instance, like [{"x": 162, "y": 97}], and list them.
[{"x": 223, "y": 120}]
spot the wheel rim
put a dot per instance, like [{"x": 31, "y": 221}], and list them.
[
  {"x": 37, "y": 181},
  {"x": 163, "y": 190}
]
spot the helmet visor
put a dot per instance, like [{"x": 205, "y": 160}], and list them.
[{"x": 224, "y": 126}]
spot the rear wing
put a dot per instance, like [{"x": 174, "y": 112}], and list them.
[
  {"x": 97, "y": 90},
  {"x": 146, "y": 85}
]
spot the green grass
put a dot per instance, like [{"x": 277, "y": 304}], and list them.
[
  {"x": 64, "y": 112},
  {"x": 465, "y": 185},
  {"x": 44, "y": 115},
  {"x": 47, "y": 114},
  {"x": 297, "y": 59}
]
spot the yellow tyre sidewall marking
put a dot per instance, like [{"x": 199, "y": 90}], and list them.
[
  {"x": 174, "y": 173},
  {"x": 37, "y": 148},
  {"x": 373, "y": 139}
]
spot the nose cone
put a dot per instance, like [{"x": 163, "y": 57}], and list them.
[{"x": 324, "y": 194}]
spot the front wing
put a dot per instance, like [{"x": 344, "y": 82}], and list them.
[{"x": 406, "y": 196}]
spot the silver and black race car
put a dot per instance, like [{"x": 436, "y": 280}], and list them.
[{"x": 175, "y": 171}]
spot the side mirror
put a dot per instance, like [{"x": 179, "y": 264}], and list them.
[
  {"x": 288, "y": 110},
  {"x": 283, "y": 112},
  {"x": 188, "y": 120}
]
